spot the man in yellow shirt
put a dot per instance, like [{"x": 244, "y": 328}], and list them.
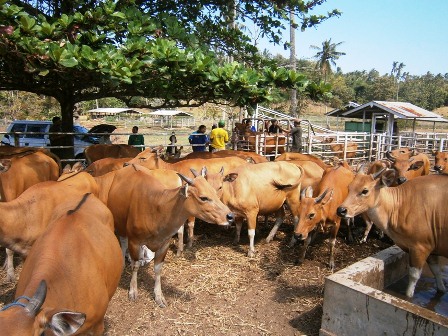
[{"x": 219, "y": 137}]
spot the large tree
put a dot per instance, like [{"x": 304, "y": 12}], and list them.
[{"x": 165, "y": 51}]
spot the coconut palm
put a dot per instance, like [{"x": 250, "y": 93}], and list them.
[{"x": 326, "y": 56}]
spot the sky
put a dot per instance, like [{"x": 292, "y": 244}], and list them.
[{"x": 375, "y": 33}]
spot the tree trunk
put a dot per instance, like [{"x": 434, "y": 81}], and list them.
[
  {"x": 67, "y": 108},
  {"x": 293, "y": 64}
]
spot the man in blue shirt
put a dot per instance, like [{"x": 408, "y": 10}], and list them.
[{"x": 199, "y": 139}]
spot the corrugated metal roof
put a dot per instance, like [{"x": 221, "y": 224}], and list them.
[
  {"x": 400, "y": 110},
  {"x": 113, "y": 110},
  {"x": 171, "y": 113}
]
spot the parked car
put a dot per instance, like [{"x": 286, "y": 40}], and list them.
[{"x": 40, "y": 137}]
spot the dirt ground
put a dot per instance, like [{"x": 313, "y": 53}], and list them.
[{"x": 215, "y": 289}]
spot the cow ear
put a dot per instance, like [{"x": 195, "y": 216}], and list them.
[
  {"x": 5, "y": 164},
  {"x": 64, "y": 322},
  {"x": 230, "y": 177},
  {"x": 67, "y": 169},
  {"x": 387, "y": 178},
  {"x": 434, "y": 152},
  {"x": 416, "y": 165},
  {"x": 184, "y": 190}
]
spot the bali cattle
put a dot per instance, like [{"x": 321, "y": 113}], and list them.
[
  {"x": 148, "y": 213},
  {"x": 18, "y": 172},
  {"x": 24, "y": 218},
  {"x": 106, "y": 165},
  {"x": 101, "y": 151},
  {"x": 260, "y": 189},
  {"x": 151, "y": 160},
  {"x": 54, "y": 294},
  {"x": 412, "y": 214},
  {"x": 409, "y": 168},
  {"x": 267, "y": 144},
  {"x": 441, "y": 162},
  {"x": 257, "y": 158},
  {"x": 319, "y": 212},
  {"x": 342, "y": 150},
  {"x": 289, "y": 156}
]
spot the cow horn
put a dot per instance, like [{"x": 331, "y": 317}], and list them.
[
  {"x": 321, "y": 196},
  {"x": 378, "y": 173},
  {"x": 222, "y": 171},
  {"x": 186, "y": 179},
  {"x": 204, "y": 171},
  {"x": 307, "y": 192},
  {"x": 390, "y": 156},
  {"x": 195, "y": 173},
  {"x": 38, "y": 299}
]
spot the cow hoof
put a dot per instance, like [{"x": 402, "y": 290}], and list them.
[
  {"x": 10, "y": 277},
  {"x": 161, "y": 302},
  {"x": 251, "y": 254},
  {"x": 179, "y": 253},
  {"x": 132, "y": 295},
  {"x": 269, "y": 239},
  {"x": 298, "y": 262}
]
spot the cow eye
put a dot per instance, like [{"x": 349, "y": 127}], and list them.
[
  {"x": 311, "y": 216},
  {"x": 365, "y": 192},
  {"x": 204, "y": 198}
]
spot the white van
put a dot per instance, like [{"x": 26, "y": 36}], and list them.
[{"x": 39, "y": 139}]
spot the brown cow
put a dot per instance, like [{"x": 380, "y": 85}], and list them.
[
  {"x": 409, "y": 168},
  {"x": 321, "y": 210},
  {"x": 441, "y": 162},
  {"x": 267, "y": 144},
  {"x": 148, "y": 213},
  {"x": 106, "y": 165},
  {"x": 151, "y": 160},
  {"x": 54, "y": 295},
  {"x": 260, "y": 189},
  {"x": 413, "y": 215},
  {"x": 289, "y": 156},
  {"x": 20, "y": 171},
  {"x": 257, "y": 158},
  {"x": 101, "y": 151}
]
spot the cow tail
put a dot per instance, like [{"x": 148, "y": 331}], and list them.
[{"x": 84, "y": 199}]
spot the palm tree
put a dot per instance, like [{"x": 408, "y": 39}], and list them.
[
  {"x": 327, "y": 56},
  {"x": 397, "y": 73}
]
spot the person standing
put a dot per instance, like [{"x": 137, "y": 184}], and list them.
[
  {"x": 171, "y": 149},
  {"x": 296, "y": 134},
  {"x": 199, "y": 139},
  {"x": 210, "y": 148},
  {"x": 136, "y": 139},
  {"x": 56, "y": 139},
  {"x": 219, "y": 137}
]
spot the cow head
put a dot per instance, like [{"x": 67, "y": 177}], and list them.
[
  {"x": 215, "y": 179},
  {"x": 29, "y": 318},
  {"x": 202, "y": 201},
  {"x": 149, "y": 158},
  {"x": 441, "y": 162},
  {"x": 5, "y": 164},
  {"x": 363, "y": 192},
  {"x": 406, "y": 168},
  {"x": 311, "y": 213}
]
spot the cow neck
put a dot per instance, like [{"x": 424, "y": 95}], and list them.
[{"x": 384, "y": 212}]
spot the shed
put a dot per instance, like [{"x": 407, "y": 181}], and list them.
[
  {"x": 385, "y": 113},
  {"x": 112, "y": 111},
  {"x": 170, "y": 118}
]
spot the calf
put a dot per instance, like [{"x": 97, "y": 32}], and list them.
[
  {"x": 409, "y": 168},
  {"x": 148, "y": 213},
  {"x": 413, "y": 215},
  {"x": 321, "y": 210},
  {"x": 54, "y": 295},
  {"x": 441, "y": 162}
]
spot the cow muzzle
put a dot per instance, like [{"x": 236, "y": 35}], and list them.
[
  {"x": 438, "y": 168},
  {"x": 401, "y": 180},
  {"x": 230, "y": 217},
  {"x": 342, "y": 212},
  {"x": 299, "y": 238}
]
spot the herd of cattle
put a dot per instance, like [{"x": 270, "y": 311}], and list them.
[{"x": 66, "y": 222}]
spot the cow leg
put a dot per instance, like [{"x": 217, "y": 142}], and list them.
[
  {"x": 251, "y": 225},
  {"x": 306, "y": 243},
  {"x": 190, "y": 225},
  {"x": 349, "y": 222},
  {"x": 434, "y": 265},
  {"x": 279, "y": 216},
  {"x": 333, "y": 234},
  {"x": 417, "y": 259},
  {"x": 134, "y": 251},
  {"x": 180, "y": 241},
  {"x": 158, "y": 264},
  {"x": 238, "y": 226},
  {"x": 369, "y": 224},
  {"x": 124, "y": 248},
  {"x": 9, "y": 265}
]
